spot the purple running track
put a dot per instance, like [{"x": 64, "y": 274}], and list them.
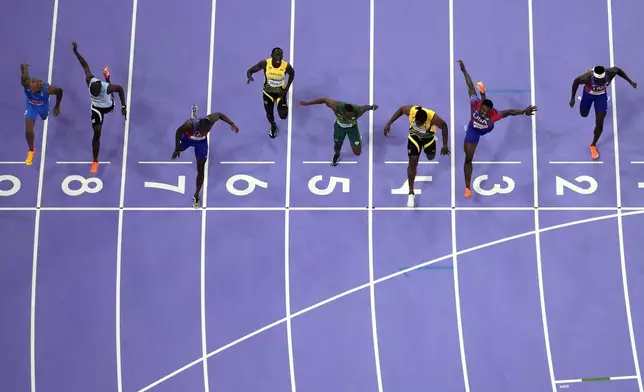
[{"x": 268, "y": 287}]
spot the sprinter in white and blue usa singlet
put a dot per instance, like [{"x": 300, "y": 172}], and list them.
[
  {"x": 483, "y": 116},
  {"x": 194, "y": 133},
  {"x": 102, "y": 103},
  {"x": 37, "y": 95},
  {"x": 595, "y": 82}
]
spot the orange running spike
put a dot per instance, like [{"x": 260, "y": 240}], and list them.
[
  {"x": 481, "y": 87},
  {"x": 30, "y": 158}
]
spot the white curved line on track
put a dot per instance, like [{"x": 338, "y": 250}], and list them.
[{"x": 385, "y": 278}]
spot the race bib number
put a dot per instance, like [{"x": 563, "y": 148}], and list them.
[
  {"x": 418, "y": 129},
  {"x": 197, "y": 137}
]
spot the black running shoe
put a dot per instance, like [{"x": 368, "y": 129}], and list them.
[
  {"x": 196, "y": 202},
  {"x": 273, "y": 132},
  {"x": 335, "y": 160}
]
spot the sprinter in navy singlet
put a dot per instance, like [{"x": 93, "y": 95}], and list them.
[
  {"x": 37, "y": 93},
  {"x": 483, "y": 116},
  {"x": 194, "y": 133},
  {"x": 595, "y": 82},
  {"x": 101, "y": 94}
]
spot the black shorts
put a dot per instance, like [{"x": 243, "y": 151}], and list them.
[
  {"x": 99, "y": 113},
  {"x": 270, "y": 99},
  {"x": 416, "y": 144}
]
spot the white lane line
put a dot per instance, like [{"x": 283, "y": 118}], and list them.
[
  {"x": 452, "y": 105},
  {"x": 246, "y": 162},
  {"x": 328, "y": 162},
  {"x": 618, "y": 187},
  {"x": 496, "y": 162},
  {"x": 41, "y": 176},
  {"x": 81, "y": 163},
  {"x": 204, "y": 202},
  {"x": 405, "y": 162},
  {"x": 119, "y": 242},
  {"x": 287, "y": 216},
  {"x": 535, "y": 181},
  {"x": 385, "y": 208},
  {"x": 164, "y": 163},
  {"x": 372, "y": 291},
  {"x": 576, "y": 162}
]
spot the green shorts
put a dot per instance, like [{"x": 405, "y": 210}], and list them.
[{"x": 353, "y": 133}]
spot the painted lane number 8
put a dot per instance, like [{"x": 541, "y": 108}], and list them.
[{"x": 87, "y": 185}]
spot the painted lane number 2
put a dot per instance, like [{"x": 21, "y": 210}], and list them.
[{"x": 587, "y": 180}]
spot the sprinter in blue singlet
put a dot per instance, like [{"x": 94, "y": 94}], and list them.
[
  {"x": 37, "y": 93},
  {"x": 595, "y": 83},
  {"x": 194, "y": 133}
]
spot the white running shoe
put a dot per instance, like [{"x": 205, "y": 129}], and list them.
[{"x": 410, "y": 201}]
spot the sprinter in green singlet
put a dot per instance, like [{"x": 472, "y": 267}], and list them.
[{"x": 346, "y": 124}]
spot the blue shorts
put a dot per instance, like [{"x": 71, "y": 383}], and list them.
[
  {"x": 201, "y": 146},
  {"x": 32, "y": 111},
  {"x": 473, "y": 136},
  {"x": 587, "y": 100}
]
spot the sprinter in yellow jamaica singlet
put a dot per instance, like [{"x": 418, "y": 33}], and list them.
[
  {"x": 275, "y": 85},
  {"x": 422, "y": 137}
]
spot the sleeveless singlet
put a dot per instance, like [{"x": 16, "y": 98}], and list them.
[
  {"x": 103, "y": 100},
  {"x": 341, "y": 121},
  {"x": 596, "y": 89},
  {"x": 41, "y": 98},
  {"x": 274, "y": 78},
  {"x": 195, "y": 134},
  {"x": 424, "y": 131}
]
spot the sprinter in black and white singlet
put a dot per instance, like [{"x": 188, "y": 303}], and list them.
[{"x": 102, "y": 103}]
